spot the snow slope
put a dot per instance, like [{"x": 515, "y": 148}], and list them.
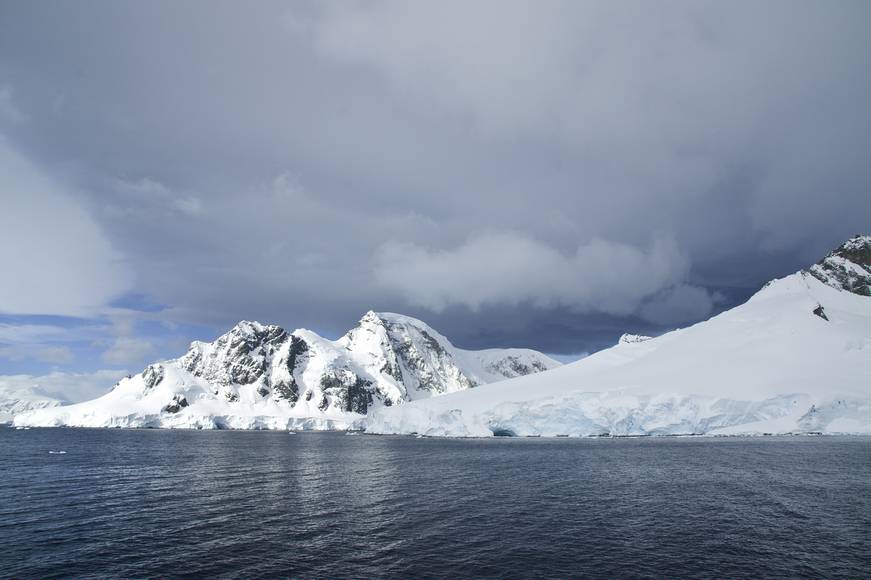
[
  {"x": 260, "y": 376},
  {"x": 795, "y": 358}
]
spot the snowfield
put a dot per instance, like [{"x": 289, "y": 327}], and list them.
[{"x": 770, "y": 365}]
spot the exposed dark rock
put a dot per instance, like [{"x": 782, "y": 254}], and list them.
[
  {"x": 848, "y": 267},
  {"x": 429, "y": 378},
  {"x": 287, "y": 390},
  {"x": 152, "y": 376},
  {"x": 432, "y": 343},
  {"x": 513, "y": 366},
  {"x": 177, "y": 403},
  {"x": 819, "y": 311},
  {"x": 501, "y": 432},
  {"x": 297, "y": 347},
  {"x": 359, "y": 397},
  {"x": 236, "y": 356},
  {"x": 393, "y": 370},
  {"x": 351, "y": 392},
  {"x": 332, "y": 384}
]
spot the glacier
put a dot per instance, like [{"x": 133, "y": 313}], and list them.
[
  {"x": 259, "y": 376},
  {"x": 795, "y": 358}
]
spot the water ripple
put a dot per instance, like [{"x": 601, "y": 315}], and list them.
[{"x": 125, "y": 503}]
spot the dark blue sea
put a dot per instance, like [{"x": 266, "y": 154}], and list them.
[{"x": 131, "y": 503}]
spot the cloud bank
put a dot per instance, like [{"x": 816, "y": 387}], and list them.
[
  {"x": 514, "y": 269},
  {"x": 55, "y": 258},
  {"x": 302, "y": 163}
]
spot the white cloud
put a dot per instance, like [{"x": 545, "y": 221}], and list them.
[
  {"x": 678, "y": 304},
  {"x": 55, "y": 258},
  {"x": 55, "y": 354},
  {"x": 128, "y": 350},
  {"x": 620, "y": 72},
  {"x": 31, "y": 333},
  {"x": 504, "y": 62},
  {"x": 191, "y": 206},
  {"x": 143, "y": 187},
  {"x": 512, "y": 269},
  {"x": 36, "y": 341},
  {"x": 145, "y": 193}
]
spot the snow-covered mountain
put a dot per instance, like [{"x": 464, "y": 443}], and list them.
[
  {"x": 796, "y": 357},
  {"x": 20, "y": 393},
  {"x": 261, "y": 376},
  {"x": 20, "y": 399}
]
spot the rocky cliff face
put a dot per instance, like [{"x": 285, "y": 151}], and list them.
[
  {"x": 848, "y": 267},
  {"x": 420, "y": 361}
]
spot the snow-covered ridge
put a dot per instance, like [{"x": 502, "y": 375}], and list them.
[
  {"x": 795, "y": 358},
  {"x": 261, "y": 376}
]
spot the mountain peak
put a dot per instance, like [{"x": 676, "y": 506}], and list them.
[
  {"x": 251, "y": 327},
  {"x": 370, "y": 316},
  {"x": 847, "y": 267}
]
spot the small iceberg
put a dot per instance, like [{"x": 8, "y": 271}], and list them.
[
  {"x": 57, "y": 452},
  {"x": 291, "y": 432}
]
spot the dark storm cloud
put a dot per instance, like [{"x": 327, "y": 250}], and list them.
[{"x": 538, "y": 173}]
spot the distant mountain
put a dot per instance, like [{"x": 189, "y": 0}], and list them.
[
  {"x": 20, "y": 393},
  {"x": 20, "y": 399},
  {"x": 795, "y": 358},
  {"x": 261, "y": 376}
]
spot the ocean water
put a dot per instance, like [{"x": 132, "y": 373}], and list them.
[{"x": 131, "y": 503}]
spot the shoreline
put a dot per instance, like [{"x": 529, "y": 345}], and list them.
[{"x": 795, "y": 434}]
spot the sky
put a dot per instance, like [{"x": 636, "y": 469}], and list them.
[{"x": 546, "y": 174}]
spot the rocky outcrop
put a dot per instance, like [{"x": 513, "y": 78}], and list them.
[
  {"x": 177, "y": 403},
  {"x": 152, "y": 375},
  {"x": 633, "y": 338},
  {"x": 848, "y": 267},
  {"x": 515, "y": 366}
]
